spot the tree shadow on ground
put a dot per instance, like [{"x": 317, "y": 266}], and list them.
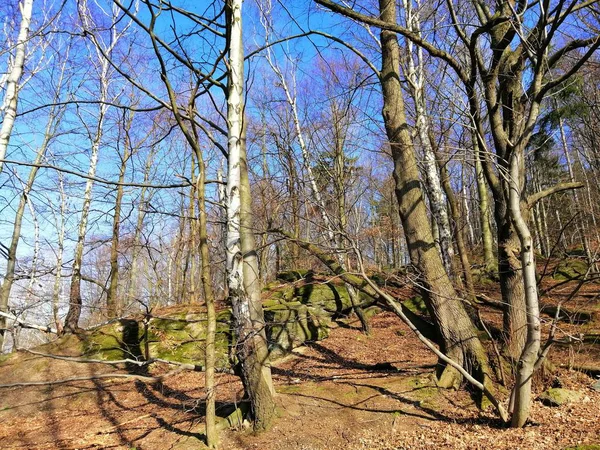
[
  {"x": 327, "y": 357},
  {"x": 159, "y": 394}
]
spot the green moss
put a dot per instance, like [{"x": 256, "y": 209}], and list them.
[
  {"x": 569, "y": 269},
  {"x": 104, "y": 343},
  {"x": 559, "y": 396},
  {"x": 416, "y": 305},
  {"x": 289, "y": 389},
  {"x": 294, "y": 275}
]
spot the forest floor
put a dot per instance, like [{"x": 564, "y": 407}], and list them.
[{"x": 348, "y": 391}]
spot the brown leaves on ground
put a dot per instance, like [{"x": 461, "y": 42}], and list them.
[{"x": 349, "y": 391}]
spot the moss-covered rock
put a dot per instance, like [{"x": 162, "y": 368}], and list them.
[
  {"x": 570, "y": 268},
  {"x": 416, "y": 305},
  {"x": 559, "y": 396},
  {"x": 294, "y": 275},
  {"x": 294, "y": 314}
]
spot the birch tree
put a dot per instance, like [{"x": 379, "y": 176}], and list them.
[
  {"x": 242, "y": 264},
  {"x": 15, "y": 71}
]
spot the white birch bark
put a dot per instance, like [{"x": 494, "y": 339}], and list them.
[
  {"x": 242, "y": 263},
  {"x": 235, "y": 113},
  {"x": 12, "y": 82},
  {"x": 415, "y": 77}
]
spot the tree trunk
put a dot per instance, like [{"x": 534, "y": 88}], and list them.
[
  {"x": 60, "y": 225},
  {"x": 458, "y": 337},
  {"x": 145, "y": 198},
  {"x": 487, "y": 237},
  {"x": 458, "y": 237},
  {"x": 329, "y": 231},
  {"x": 12, "y": 82},
  {"x": 212, "y": 437},
  {"x": 416, "y": 81},
  {"x": 511, "y": 284},
  {"x": 75, "y": 301},
  {"x": 242, "y": 264},
  {"x": 9, "y": 275},
  {"x": 529, "y": 356},
  {"x": 113, "y": 306}
]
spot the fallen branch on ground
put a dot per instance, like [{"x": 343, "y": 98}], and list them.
[
  {"x": 140, "y": 363},
  {"x": 366, "y": 285}
]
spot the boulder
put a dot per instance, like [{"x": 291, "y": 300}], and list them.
[{"x": 559, "y": 396}]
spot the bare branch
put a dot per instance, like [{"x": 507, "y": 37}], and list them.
[{"x": 534, "y": 198}]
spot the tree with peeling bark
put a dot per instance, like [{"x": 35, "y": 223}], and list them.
[
  {"x": 15, "y": 71},
  {"x": 243, "y": 277}
]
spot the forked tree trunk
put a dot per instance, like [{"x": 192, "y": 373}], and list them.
[
  {"x": 457, "y": 333},
  {"x": 242, "y": 265}
]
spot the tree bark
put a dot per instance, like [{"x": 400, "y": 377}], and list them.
[
  {"x": 433, "y": 186},
  {"x": 529, "y": 356},
  {"x": 113, "y": 306},
  {"x": 9, "y": 275},
  {"x": 12, "y": 83},
  {"x": 487, "y": 237},
  {"x": 457, "y": 333},
  {"x": 242, "y": 264}
]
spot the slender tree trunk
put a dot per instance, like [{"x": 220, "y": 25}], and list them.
[
  {"x": 12, "y": 83},
  {"x": 487, "y": 237},
  {"x": 113, "y": 306},
  {"x": 329, "y": 229},
  {"x": 9, "y": 274},
  {"x": 59, "y": 254},
  {"x": 529, "y": 356},
  {"x": 242, "y": 264},
  {"x": 75, "y": 300},
  {"x": 458, "y": 237},
  {"x": 415, "y": 76},
  {"x": 145, "y": 197},
  {"x": 212, "y": 437},
  {"x": 457, "y": 333}
]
